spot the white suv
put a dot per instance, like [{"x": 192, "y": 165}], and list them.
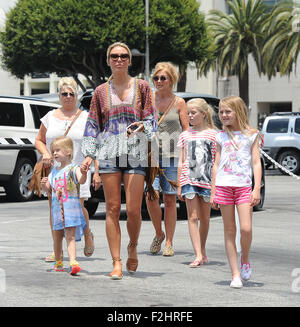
[
  {"x": 19, "y": 124},
  {"x": 281, "y": 133}
]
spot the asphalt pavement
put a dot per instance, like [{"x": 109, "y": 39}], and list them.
[{"x": 27, "y": 281}]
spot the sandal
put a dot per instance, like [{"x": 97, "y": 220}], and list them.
[
  {"x": 51, "y": 257},
  {"x": 131, "y": 264},
  {"x": 156, "y": 244},
  {"x": 89, "y": 250},
  {"x": 59, "y": 266},
  {"x": 168, "y": 251},
  {"x": 204, "y": 259},
  {"x": 117, "y": 272},
  {"x": 196, "y": 263}
]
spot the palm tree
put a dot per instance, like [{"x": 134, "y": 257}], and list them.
[
  {"x": 282, "y": 45},
  {"x": 236, "y": 36}
]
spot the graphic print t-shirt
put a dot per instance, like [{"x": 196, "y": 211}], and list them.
[
  {"x": 200, "y": 150},
  {"x": 235, "y": 163}
]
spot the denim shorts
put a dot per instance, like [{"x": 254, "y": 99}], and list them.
[
  {"x": 189, "y": 191},
  {"x": 121, "y": 165},
  {"x": 170, "y": 169}
]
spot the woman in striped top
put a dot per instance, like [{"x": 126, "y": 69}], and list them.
[
  {"x": 116, "y": 104},
  {"x": 198, "y": 148}
]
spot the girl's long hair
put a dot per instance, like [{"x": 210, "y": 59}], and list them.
[
  {"x": 239, "y": 107},
  {"x": 202, "y": 106}
]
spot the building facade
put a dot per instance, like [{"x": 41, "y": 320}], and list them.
[{"x": 265, "y": 96}]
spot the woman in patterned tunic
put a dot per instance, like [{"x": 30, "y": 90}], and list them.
[{"x": 122, "y": 153}]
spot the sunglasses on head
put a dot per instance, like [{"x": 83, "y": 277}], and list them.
[
  {"x": 162, "y": 78},
  {"x": 122, "y": 56},
  {"x": 65, "y": 94}
]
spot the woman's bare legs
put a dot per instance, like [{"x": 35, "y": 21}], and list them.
[
  {"x": 134, "y": 187},
  {"x": 112, "y": 193},
  {"x": 170, "y": 217},
  {"x": 88, "y": 237},
  {"x": 155, "y": 214}
]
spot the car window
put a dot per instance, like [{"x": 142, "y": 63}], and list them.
[
  {"x": 12, "y": 114},
  {"x": 297, "y": 125},
  {"x": 38, "y": 112},
  {"x": 278, "y": 126}
]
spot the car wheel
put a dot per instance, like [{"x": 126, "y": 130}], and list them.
[
  {"x": 91, "y": 207},
  {"x": 18, "y": 187},
  {"x": 290, "y": 160}
]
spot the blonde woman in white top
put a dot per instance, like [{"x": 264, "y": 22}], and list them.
[{"x": 54, "y": 124}]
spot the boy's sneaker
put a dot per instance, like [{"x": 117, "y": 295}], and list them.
[
  {"x": 236, "y": 283},
  {"x": 58, "y": 266},
  {"x": 74, "y": 268},
  {"x": 246, "y": 271}
]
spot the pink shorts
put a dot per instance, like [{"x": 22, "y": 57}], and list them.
[{"x": 232, "y": 195}]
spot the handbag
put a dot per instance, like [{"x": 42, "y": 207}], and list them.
[
  {"x": 153, "y": 167},
  {"x": 39, "y": 171}
]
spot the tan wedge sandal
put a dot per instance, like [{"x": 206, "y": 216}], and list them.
[
  {"x": 89, "y": 250},
  {"x": 131, "y": 264},
  {"x": 117, "y": 272}
]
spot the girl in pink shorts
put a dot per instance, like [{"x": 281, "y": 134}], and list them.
[{"x": 237, "y": 157}]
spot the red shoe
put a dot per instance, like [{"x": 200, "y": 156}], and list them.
[{"x": 74, "y": 268}]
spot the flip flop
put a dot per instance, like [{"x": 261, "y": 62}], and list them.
[{"x": 196, "y": 263}]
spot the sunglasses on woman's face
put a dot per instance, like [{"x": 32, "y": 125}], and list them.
[
  {"x": 65, "y": 94},
  {"x": 162, "y": 78},
  {"x": 123, "y": 56}
]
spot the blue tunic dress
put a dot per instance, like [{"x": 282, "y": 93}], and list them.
[{"x": 65, "y": 179}]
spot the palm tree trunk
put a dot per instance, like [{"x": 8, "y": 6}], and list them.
[{"x": 244, "y": 86}]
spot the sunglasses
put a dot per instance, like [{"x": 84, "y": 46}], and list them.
[
  {"x": 162, "y": 78},
  {"x": 65, "y": 94},
  {"x": 122, "y": 56}
]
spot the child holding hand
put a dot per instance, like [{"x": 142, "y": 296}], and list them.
[
  {"x": 66, "y": 212},
  {"x": 237, "y": 157}
]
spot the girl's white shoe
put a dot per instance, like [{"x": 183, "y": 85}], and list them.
[{"x": 236, "y": 283}]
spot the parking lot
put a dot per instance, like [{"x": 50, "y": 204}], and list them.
[{"x": 159, "y": 282}]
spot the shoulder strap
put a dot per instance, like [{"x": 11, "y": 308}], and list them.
[
  {"x": 72, "y": 122},
  {"x": 167, "y": 110}
]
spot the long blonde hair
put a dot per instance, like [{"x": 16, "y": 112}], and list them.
[
  {"x": 202, "y": 106},
  {"x": 237, "y": 104}
]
